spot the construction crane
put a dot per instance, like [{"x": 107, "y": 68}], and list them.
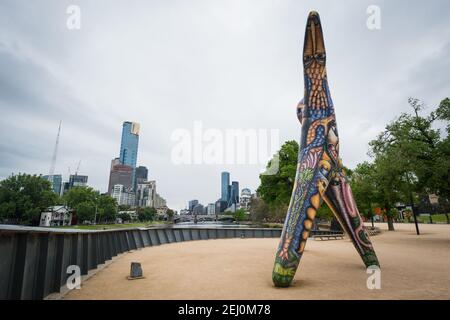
[
  {"x": 78, "y": 167},
  {"x": 55, "y": 150}
]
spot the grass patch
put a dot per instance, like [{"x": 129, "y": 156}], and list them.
[{"x": 437, "y": 218}]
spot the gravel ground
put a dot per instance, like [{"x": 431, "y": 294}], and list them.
[{"x": 412, "y": 267}]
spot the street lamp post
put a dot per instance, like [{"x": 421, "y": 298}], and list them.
[
  {"x": 411, "y": 198},
  {"x": 414, "y": 212}
]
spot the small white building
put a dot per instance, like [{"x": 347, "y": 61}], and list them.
[
  {"x": 132, "y": 213},
  {"x": 56, "y": 216},
  {"x": 161, "y": 211}
]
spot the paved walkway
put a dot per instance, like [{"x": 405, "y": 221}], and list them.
[{"x": 413, "y": 267}]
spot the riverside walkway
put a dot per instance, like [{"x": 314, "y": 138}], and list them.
[{"x": 413, "y": 267}]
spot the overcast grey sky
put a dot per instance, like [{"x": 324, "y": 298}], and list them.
[{"x": 230, "y": 64}]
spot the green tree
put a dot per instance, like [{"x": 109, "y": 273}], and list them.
[
  {"x": 107, "y": 208},
  {"x": 150, "y": 213},
  {"x": 23, "y": 197},
  {"x": 87, "y": 198},
  {"x": 124, "y": 207},
  {"x": 411, "y": 158},
  {"x": 276, "y": 189},
  {"x": 363, "y": 184},
  {"x": 104, "y": 205},
  {"x": 85, "y": 211},
  {"x": 324, "y": 213},
  {"x": 77, "y": 195},
  {"x": 170, "y": 214},
  {"x": 146, "y": 214},
  {"x": 239, "y": 215},
  {"x": 124, "y": 216},
  {"x": 415, "y": 152},
  {"x": 391, "y": 215},
  {"x": 259, "y": 210}
]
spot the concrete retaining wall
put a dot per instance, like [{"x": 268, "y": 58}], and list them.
[{"x": 34, "y": 261}]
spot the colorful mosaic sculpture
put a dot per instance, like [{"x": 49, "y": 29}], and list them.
[{"x": 320, "y": 176}]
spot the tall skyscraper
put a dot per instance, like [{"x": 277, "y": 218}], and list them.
[
  {"x": 225, "y": 190},
  {"x": 129, "y": 146},
  {"x": 129, "y": 143},
  {"x": 234, "y": 194}
]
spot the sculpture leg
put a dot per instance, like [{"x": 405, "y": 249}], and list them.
[
  {"x": 309, "y": 189},
  {"x": 339, "y": 198}
]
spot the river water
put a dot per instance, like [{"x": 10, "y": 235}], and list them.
[{"x": 214, "y": 224}]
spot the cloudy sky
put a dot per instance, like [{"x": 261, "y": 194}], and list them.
[{"x": 229, "y": 64}]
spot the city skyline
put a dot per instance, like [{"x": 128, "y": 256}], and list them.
[{"x": 166, "y": 66}]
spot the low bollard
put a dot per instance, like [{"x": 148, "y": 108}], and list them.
[{"x": 135, "y": 271}]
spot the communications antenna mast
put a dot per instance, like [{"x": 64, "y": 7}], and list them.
[
  {"x": 78, "y": 167},
  {"x": 52, "y": 166}
]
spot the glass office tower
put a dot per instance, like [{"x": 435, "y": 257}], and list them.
[
  {"x": 129, "y": 145},
  {"x": 225, "y": 190},
  {"x": 234, "y": 196},
  {"x": 56, "y": 181}
]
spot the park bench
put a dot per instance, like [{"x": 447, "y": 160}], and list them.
[
  {"x": 335, "y": 236},
  {"x": 373, "y": 232}
]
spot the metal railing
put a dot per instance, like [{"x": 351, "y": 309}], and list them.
[{"x": 34, "y": 261}]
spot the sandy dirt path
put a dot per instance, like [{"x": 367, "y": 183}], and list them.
[{"x": 413, "y": 267}]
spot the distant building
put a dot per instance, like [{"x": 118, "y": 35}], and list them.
[
  {"x": 192, "y": 204},
  {"x": 56, "y": 182},
  {"x": 234, "y": 193},
  {"x": 123, "y": 195},
  {"x": 145, "y": 194},
  {"x": 76, "y": 180},
  {"x": 221, "y": 206},
  {"x": 224, "y": 186},
  {"x": 198, "y": 209},
  {"x": 129, "y": 145},
  {"x": 232, "y": 208},
  {"x": 160, "y": 202},
  {"x": 246, "y": 197},
  {"x": 64, "y": 188},
  {"x": 211, "y": 208},
  {"x": 56, "y": 216},
  {"x": 184, "y": 212},
  {"x": 141, "y": 174},
  {"x": 120, "y": 174}
]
